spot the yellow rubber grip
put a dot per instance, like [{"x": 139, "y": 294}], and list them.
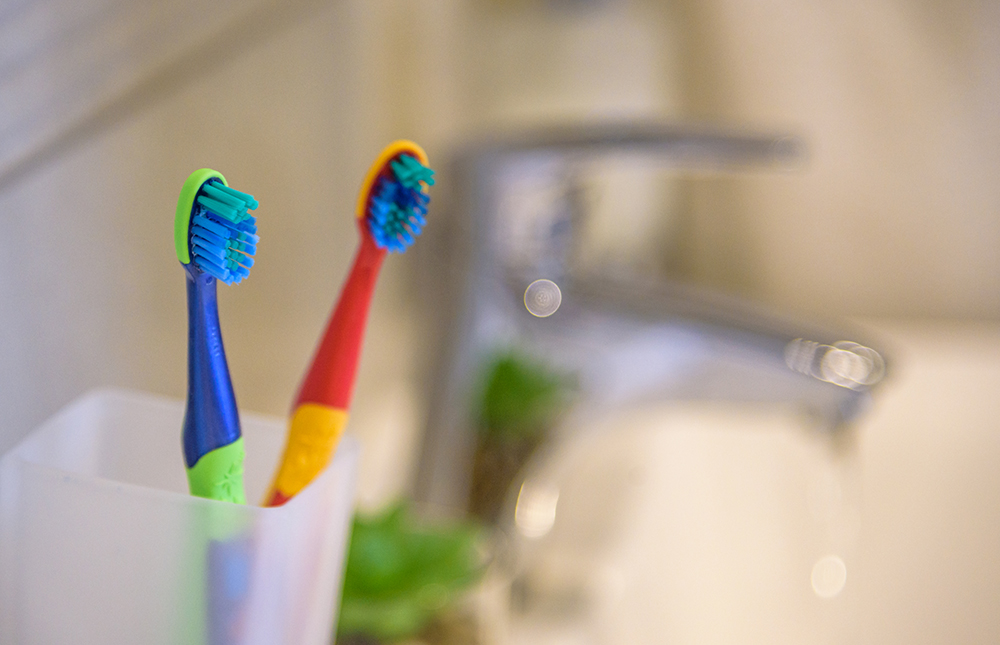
[{"x": 312, "y": 440}]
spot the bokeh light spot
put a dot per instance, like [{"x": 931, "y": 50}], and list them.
[{"x": 542, "y": 298}]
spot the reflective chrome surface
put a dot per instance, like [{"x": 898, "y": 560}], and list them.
[{"x": 514, "y": 218}]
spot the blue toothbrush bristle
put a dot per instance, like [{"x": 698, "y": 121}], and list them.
[
  {"x": 223, "y": 234},
  {"x": 398, "y": 209}
]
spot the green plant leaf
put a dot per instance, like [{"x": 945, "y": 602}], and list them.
[{"x": 401, "y": 573}]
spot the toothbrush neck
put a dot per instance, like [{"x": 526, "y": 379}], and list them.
[
  {"x": 211, "y": 419},
  {"x": 369, "y": 256},
  {"x": 330, "y": 379}
]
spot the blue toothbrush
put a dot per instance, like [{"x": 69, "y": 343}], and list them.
[{"x": 215, "y": 239}]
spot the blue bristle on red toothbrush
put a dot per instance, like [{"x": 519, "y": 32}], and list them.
[
  {"x": 398, "y": 210},
  {"x": 223, "y": 234}
]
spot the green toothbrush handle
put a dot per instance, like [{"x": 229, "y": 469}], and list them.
[{"x": 218, "y": 474}]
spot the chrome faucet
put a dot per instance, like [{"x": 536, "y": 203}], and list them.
[{"x": 628, "y": 339}]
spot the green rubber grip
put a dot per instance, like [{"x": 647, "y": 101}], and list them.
[{"x": 218, "y": 475}]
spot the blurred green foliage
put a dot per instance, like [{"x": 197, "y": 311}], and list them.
[
  {"x": 521, "y": 397},
  {"x": 401, "y": 573}
]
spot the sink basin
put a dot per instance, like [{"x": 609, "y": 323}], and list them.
[{"x": 728, "y": 523}]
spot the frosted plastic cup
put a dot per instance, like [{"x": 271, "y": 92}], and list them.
[{"x": 100, "y": 543}]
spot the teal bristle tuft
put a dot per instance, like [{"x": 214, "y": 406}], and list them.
[
  {"x": 410, "y": 172},
  {"x": 397, "y": 212},
  {"x": 223, "y": 234}
]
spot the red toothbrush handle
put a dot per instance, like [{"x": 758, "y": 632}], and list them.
[{"x": 330, "y": 380}]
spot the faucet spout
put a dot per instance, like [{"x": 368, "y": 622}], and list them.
[{"x": 626, "y": 339}]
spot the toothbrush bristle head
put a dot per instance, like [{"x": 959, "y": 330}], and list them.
[
  {"x": 220, "y": 235},
  {"x": 394, "y": 197}
]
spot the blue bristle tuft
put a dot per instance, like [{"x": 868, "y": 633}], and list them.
[
  {"x": 223, "y": 234},
  {"x": 398, "y": 209}
]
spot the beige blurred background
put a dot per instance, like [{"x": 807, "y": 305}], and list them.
[{"x": 894, "y": 218}]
